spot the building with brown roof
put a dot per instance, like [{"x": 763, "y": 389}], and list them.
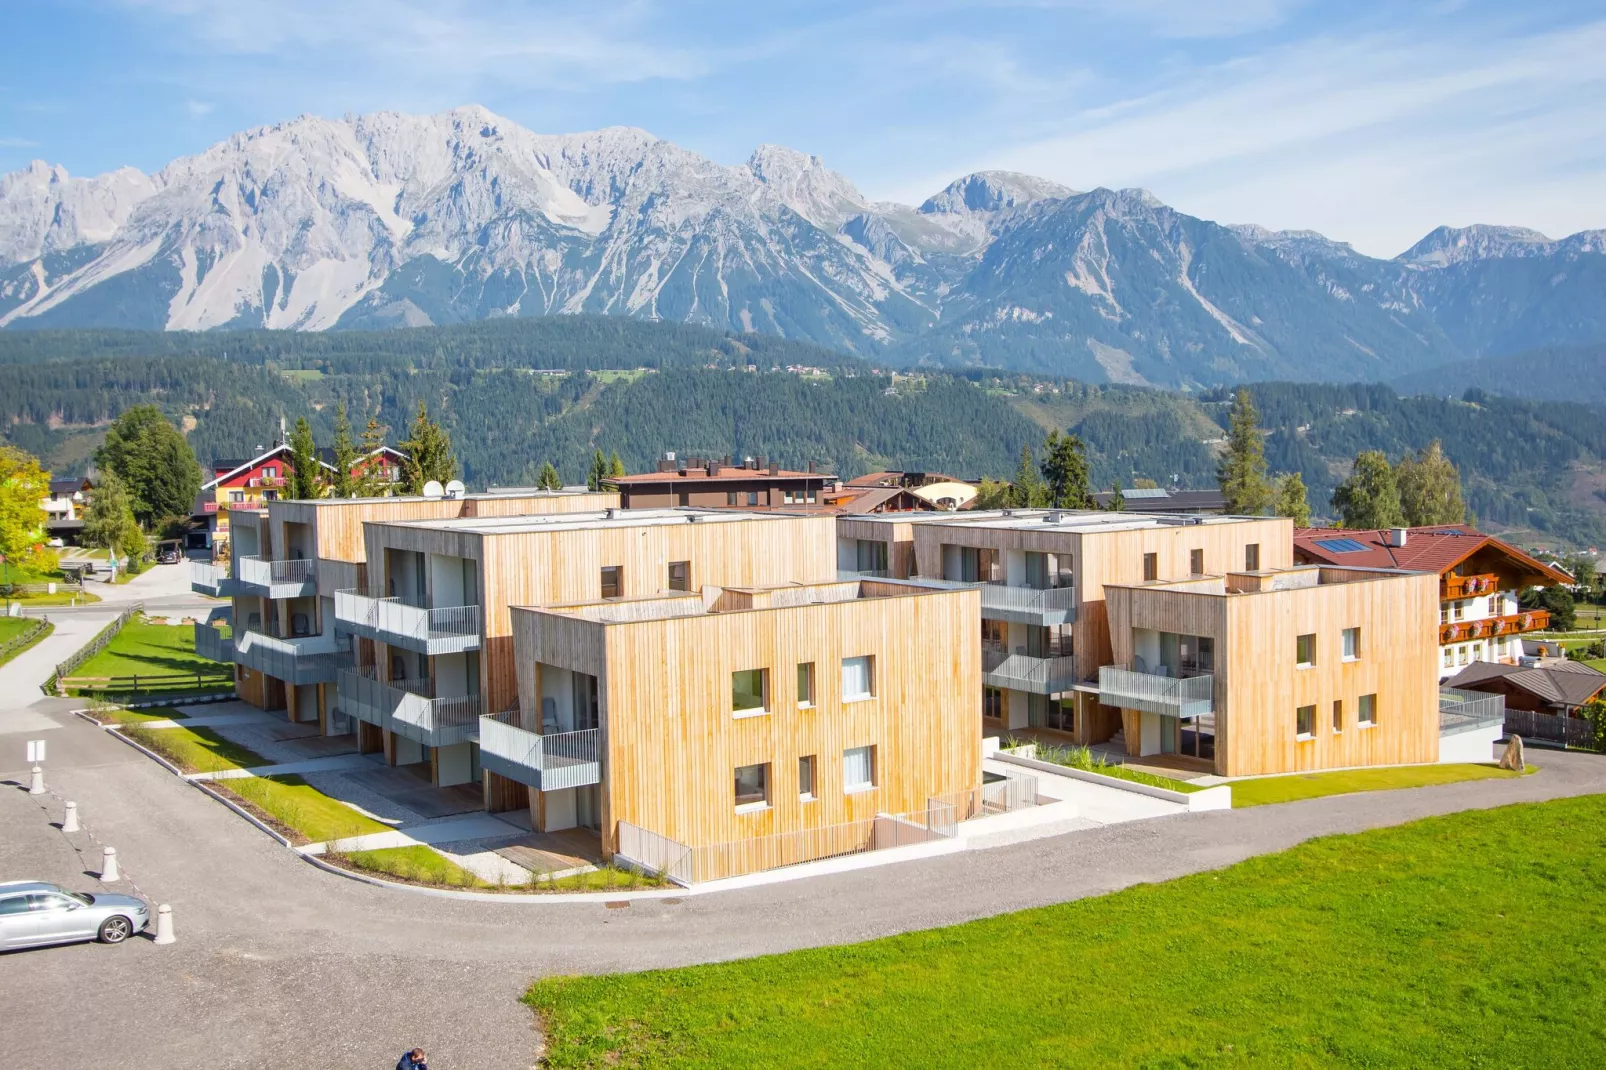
[
  {"x": 719, "y": 484},
  {"x": 1560, "y": 687},
  {"x": 1479, "y": 580}
]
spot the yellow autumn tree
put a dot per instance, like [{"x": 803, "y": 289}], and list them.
[{"x": 23, "y": 489}]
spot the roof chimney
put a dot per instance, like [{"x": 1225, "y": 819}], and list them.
[
  {"x": 811, "y": 468},
  {"x": 1395, "y": 537},
  {"x": 775, "y": 468}
]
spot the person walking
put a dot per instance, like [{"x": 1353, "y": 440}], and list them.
[{"x": 412, "y": 1060}]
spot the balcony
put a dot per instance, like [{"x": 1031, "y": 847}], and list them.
[
  {"x": 212, "y": 580},
  {"x": 1170, "y": 696},
  {"x": 1024, "y": 672},
  {"x": 434, "y": 722},
  {"x": 846, "y": 574},
  {"x": 1534, "y": 620},
  {"x": 1468, "y": 586},
  {"x": 1043, "y": 607},
  {"x": 449, "y": 630},
  {"x": 211, "y": 643},
  {"x": 543, "y": 762},
  {"x": 277, "y": 579},
  {"x": 313, "y": 660}
]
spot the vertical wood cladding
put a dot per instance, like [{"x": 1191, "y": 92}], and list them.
[{"x": 673, "y": 743}]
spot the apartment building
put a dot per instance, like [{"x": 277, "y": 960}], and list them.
[
  {"x": 1480, "y": 578},
  {"x": 698, "y": 482},
  {"x": 1042, "y": 573},
  {"x": 436, "y": 608},
  {"x": 291, "y": 561},
  {"x": 751, "y": 726},
  {"x": 1277, "y": 670}
]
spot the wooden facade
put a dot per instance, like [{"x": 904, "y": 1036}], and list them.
[
  {"x": 673, "y": 740},
  {"x": 1258, "y": 688}
]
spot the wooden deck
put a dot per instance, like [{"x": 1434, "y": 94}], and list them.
[{"x": 555, "y": 852}]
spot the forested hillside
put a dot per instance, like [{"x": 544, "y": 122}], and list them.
[
  {"x": 1557, "y": 373},
  {"x": 507, "y": 395}
]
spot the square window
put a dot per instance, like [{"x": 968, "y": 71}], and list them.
[
  {"x": 750, "y": 691},
  {"x": 858, "y": 678},
  {"x": 1305, "y": 651},
  {"x": 805, "y": 684},
  {"x": 1252, "y": 557},
  {"x": 1338, "y": 715},
  {"x": 752, "y": 497},
  {"x": 858, "y": 769},
  {"x": 680, "y": 575},
  {"x": 1366, "y": 713},
  {"x": 786, "y": 496},
  {"x": 1196, "y": 562},
  {"x": 730, "y": 497},
  {"x": 1352, "y": 644},
  {"x": 1305, "y": 721},
  {"x": 805, "y": 777},
  {"x": 613, "y": 581},
  {"x": 752, "y": 787},
  {"x": 1151, "y": 567}
]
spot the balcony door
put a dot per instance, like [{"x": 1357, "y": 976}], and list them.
[{"x": 1047, "y": 571}]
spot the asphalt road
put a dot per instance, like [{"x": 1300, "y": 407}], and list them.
[{"x": 281, "y": 964}]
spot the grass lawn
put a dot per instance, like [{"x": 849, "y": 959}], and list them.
[
  {"x": 14, "y": 628},
  {"x": 112, "y": 715},
  {"x": 1419, "y": 946},
  {"x": 60, "y": 598},
  {"x": 1084, "y": 759},
  {"x": 157, "y": 651},
  {"x": 297, "y": 808},
  {"x": 1259, "y": 791},
  {"x": 196, "y": 750},
  {"x": 415, "y": 863}
]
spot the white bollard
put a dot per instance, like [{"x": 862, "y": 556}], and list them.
[
  {"x": 164, "y": 924},
  {"x": 69, "y": 823},
  {"x": 108, "y": 865},
  {"x": 36, "y": 783}
]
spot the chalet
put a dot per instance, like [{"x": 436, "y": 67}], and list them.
[
  {"x": 701, "y": 483},
  {"x": 247, "y": 485}
]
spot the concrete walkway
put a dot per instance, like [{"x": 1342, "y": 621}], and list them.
[
  {"x": 449, "y": 830},
  {"x": 330, "y": 764}
]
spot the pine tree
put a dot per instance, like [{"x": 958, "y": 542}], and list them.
[
  {"x": 1064, "y": 469},
  {"x": 1291, "y": 500},
  {"x": 371, "y": 481},
  {"x": 1242, "y": 472},
  {"x": 1117, "y": 499},
  {"x": 306, "y": 477},
  {"x": 343, "y": 484},
  {"x": 616, "y": 467},
  {"x": 429, "y": 454},
  {"x": 598, "y": 472},
  {"x": 1027, "y": 491},
  {"x": 548, "y": 479},
  {"x": 1430, "y": 488},
  {"x": 1370, "y": 497}
]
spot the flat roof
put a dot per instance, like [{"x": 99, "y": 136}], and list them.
[
  {"x": 669, "y": 605},
  {"x": 1070, "y": 520},
  {"x": 482, "y": 496},
  {"x": 598, "y": 519}
]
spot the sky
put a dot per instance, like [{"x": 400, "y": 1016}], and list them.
[{"x": 1370, "y": 122}]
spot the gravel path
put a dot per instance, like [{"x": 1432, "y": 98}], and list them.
[{"x": 279, "y": 963}]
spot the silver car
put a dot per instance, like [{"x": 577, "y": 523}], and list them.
[{"x": 33, "y": 913}]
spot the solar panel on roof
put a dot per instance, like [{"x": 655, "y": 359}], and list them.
[
  {"x": 1342, "y": 546},
  {"x": 1146, "y": 492},
  {"x": 1449, "y": 533}
]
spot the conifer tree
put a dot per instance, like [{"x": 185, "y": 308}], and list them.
[
  {"x": 1370, "y": 497},
  {"x": 1065, "y": 471},
  {"x": 1027, "y": 491},
  {"x": 1291, "y": 500},
  {"x": 306, "y": 477},
  {"x": 1242, "y": 472},
  {"x": 343, "y": 484},
  {"x": 371, "y": 482},
  {"x": 616, "y": 467},
  {"x": 429, "y": 454},
  {"x": 548, "y": 479},
  {"x": 598, "y": 471}
]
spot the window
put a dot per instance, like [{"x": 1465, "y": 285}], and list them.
[
  {"x": 870, "y": 555},
  {"x": 1305, "y": 651},
  {"x": 1449, "y": 656},
  {"x": 992, "y": 703},
  {"x": 730, "y": 497},
  {"x": 270, "y": 495},
  {"x": 1196, "y": 562},
  {"x": 1352, "y": 644},
  {"x": 680, "y": 575},
  {"x": 1252, "y": 557},
  {"x": 613, "y": 581},
  {"x": 236, "y": 495},
  {"x": 858, "y": 678},
  {"x": 1305, "y": 721},
  {"x": 750, "y": 691},
  {"x": 805, "y": 684},
  {"x": 994, "y": 635},
  {"x": 684, "y": 497},
  {"x": 1456, "y": 610},
  {"x": 858, "y": 769},
  {"x": 1366, "y": 715},
  {"x": 805, "y": 778},
  {"x": 16, "y": 904},
  {"x": 752, "y": 497},
  {"x": 1151, "y": 567},
  {"x": 1338, "y": 715},
  {"x": 752, "y": 787}
]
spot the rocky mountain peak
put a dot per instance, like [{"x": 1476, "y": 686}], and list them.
[
  {"x": 992, "y": 191},
  {"x": 1444, "y": 246}
]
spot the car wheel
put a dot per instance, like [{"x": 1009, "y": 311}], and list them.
[{"x": 115, "y": 930}]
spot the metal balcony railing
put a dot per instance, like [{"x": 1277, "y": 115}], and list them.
[
  {"x": 1466, "y": 711},
  {"x": 447, "y": 630},
  {"x": 313, "y": 660},
  {"x": 1188, "y": 696},
  {"x": 278, "y": 579},
  {"x": 545, "y": 762},
  {"x": 1026, "y": 672},
  {"x": 212, "y": 644},
  {"x": 398, "y": 706},
  {"x": 211, "y": 579},
  {"x": 863, "y": 573}
]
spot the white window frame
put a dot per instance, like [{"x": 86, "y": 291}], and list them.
[
  {"x": 762, "y": 804},
  {"x": 1352, "y": 644},
  {"x": 855, "y": 787},
  {"x": 869, "y": 677},
  {"x": 1360, "y": 711},
  {"x": 1311, "y": 734},
  {"x": 1311, "y": 664},
  {"x": 764, "y": 684},
  {"x": 813, "y": 763}
]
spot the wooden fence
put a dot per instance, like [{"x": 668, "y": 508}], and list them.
[
  {"x": 149, "y": 683},
  {"x": 101, "y": 641},
  {"x": 1575, "y": 732},
  {"x": 11, "y": 646}
]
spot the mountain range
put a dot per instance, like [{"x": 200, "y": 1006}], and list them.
[{"x": 390, "y": 220}]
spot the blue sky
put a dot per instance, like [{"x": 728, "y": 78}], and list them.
[{"x": 1370, "y": 122}]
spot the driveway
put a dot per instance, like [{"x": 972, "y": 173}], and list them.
[{"x": 279, "y": 963}]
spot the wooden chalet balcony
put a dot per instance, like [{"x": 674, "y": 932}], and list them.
[
  {"x": 1533, "y": 620},
  {"x": 1466, "y": 586}
]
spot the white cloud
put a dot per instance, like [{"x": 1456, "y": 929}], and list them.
[{"x": 198, "y": 108}]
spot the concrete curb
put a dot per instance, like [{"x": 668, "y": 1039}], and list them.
[{"x": 1216, "y": 797}]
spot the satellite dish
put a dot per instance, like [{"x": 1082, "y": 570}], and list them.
[
  {"x": 455, "y": 489},
  {"x": 433, "y": 489}
]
